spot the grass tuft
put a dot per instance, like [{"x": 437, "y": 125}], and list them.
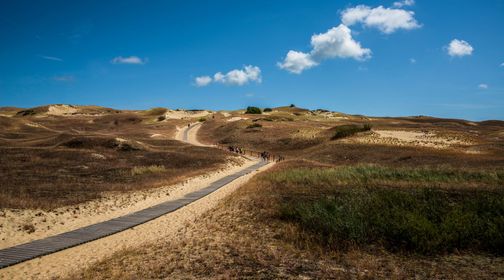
[
  {"x": 140, "y": 170},
  {"x": 255, "y": 125},
  {"x": 349, "y": 130}
]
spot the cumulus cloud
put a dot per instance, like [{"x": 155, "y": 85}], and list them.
[
  {"x": 401, "y": 4},
  {"x": 337, "y": 42},
  {"x": 459, "y": 48},
  {"x": 483, "y": 86},
  {"x": 203, "y": 81},
  {"x": 128, "y": 60},
  {"x": 53, "y": 58},
  {"x": 387, "y": 20},
  {"x": 502, "y": 64},
  {"x": 236, "y": 77},
  {"x": 412, "y": 60},
  {"x": 296, "y": 62}
]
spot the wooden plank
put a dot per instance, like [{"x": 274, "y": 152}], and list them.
[{"x": 20, "y": 253}]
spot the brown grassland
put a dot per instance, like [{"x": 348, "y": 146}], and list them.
[
  {"x": 50, "y": 161},
  {"x": 356, "y": 198}
]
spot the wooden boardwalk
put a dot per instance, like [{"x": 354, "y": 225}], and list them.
[{"x": 41, "y": 247}]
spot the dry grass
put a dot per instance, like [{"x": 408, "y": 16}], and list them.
[
  {"x": 243, "y": 238},
  {"x": 151, "y": 169},
  {"x": 58, "y": 161},
  {"x": 284, "y": 132}
]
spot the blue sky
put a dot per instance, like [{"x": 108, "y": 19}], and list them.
[{"x": 385, "y": 60}]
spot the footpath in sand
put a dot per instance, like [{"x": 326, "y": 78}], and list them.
[{"x": 64, "y": 262}]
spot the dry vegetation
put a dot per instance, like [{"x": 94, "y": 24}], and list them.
[
  {"x": 348, "y": 203},
  {"x": 248, "y": 236},
  {"x": 344, "y": 208},
  {"x": 51, "y": 160}
]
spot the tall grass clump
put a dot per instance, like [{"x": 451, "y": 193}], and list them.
[
  {"x": 343, "y": 131},
  {"x": 427, "y": 210},
  {"x": 254, "y": 125},
  {"x": 156, "y": 111},
  {"x": 140, "y": 170}
]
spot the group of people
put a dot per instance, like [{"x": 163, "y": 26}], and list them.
[
  {"x": 266, "y": 156},
  {"x": 237, "y": 150}
]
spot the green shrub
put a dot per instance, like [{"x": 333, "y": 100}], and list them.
[
  {"x": 425, "y": 221},
  {"x": 202, "y": 119},
  {"x": 268, "y": 110},
  {"x": 255, "y": 125},
  {"x": 292, "y": 106},
  {"x": 161, "y": 118},
  {"x": 343, "y": 131},
  {"x": 348, "y": 205},
  {"x": 253, "y": 110}
]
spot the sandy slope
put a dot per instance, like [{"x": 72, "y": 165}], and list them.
[{"x": 65, "y": 262}]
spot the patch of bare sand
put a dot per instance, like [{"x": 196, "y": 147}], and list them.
[
  {"x": 16, "y": 224},
  {"x": 183, "y": 114},
  {"x": 65, "y": 262},
  {"x": 192, "y": 135},
  {"x": 234, "y": 119},
  {"x": 61, "y": 110},
  {"x": 410, "y": 138}
]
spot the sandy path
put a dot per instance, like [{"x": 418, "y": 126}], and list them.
[
  {"x": 67, "y": 261},
  {"x": 189, "y": 135}
]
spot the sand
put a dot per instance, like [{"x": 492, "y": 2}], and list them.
[
  {"x": 61, "y": 110},
  {"x": 65, "y": 262},
  {"x": 191, "y": 136},
  {"x": 111, "y": 205},
  {"x": 410, "y": 138},
  {"x": 183, "y": 114},
  {"x": 65, "y": 219},
  {"x": 234, "y": 119}
]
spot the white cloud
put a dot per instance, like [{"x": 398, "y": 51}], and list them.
[
  {"x": 128, "y": 60},
  {"x": 337, "y": 42},
  {"x": 203, "y": 81},
  {"x": 64, "y": 78},
  {"x": 53, "y": 58},
  {"x": 297, "y": 62},
  {"x": 483, "y": 86},
  {"x": 459, "y": 48},
  {"x": 412, "y": 60},
  {"x": 387, "y": 20},
  {"x": 401, "y": 4},
  {"x": 236, "y": 77},
  {"x": 502, "y": 64}
]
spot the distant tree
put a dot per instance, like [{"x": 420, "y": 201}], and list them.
[
  {"x": 292, "y": 106},
  {"x": 253, "y": 110},
  {"x": 267, "y": 110}
]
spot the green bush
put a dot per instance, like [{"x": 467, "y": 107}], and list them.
[
  {"x": 161, "y": 118},
  {"x": 343, "y": 131},
  {"x": 253, "y": 110},
  {"x": 292, "y": 106},
  {"x": 268, "y": 110},
  {"x": 348, "y": 205},
  {"x": 202, "y": 119},
  {"x": 425, "y": 221}
]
